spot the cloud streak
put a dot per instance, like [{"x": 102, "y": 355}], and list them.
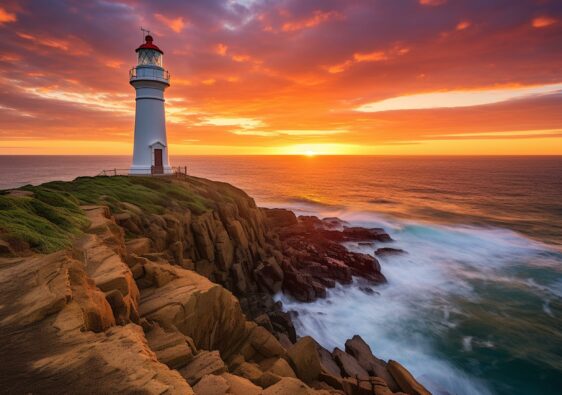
[{"x": 462, "y": 98}]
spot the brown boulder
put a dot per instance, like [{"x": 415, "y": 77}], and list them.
[
  {"x": 172, "y": 348},
  {"x": 289, "y": 386},
  {"x": 200, "y": 309},
  {"x": 405, "y": 380},
  {"x": 265, "y": 343},
  {"x": 357, "y": 347},
  {"x": 250, "y": 371},
  {"x": 212, "y": 385},
  {"x": 240, "y": 386},
  {"x": 349, "y": 365},
  {"x": 305, "y": 359},
  {"x": 279, "y": 218},
  {"x": 282, "y": 368},
  {"x": 204, "y": 363}
]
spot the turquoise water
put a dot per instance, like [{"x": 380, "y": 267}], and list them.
[{"x": 476, "y": 305}]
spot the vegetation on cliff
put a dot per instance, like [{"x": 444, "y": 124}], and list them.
[
  {"x": 45, "y": 221},
  {"x": 49, "y": 216}
]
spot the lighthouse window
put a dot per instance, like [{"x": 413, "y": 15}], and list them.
[{"x": 150, "y": 57}]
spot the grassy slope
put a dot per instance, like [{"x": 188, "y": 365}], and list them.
[{"x": 49, "y": 219}]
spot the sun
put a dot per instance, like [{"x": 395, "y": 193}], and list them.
[{"x": 309, "y": 153}]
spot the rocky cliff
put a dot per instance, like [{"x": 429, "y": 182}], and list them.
[{"x": 164, "y": 285}]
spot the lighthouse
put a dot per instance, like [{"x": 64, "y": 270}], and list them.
[{"x": 150, "y": 80}]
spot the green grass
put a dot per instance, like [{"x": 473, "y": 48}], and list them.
[
  {"x": 152, "y": 195},
  {"x": 44, "y": 222},
  {"x": 49, "y": 219}
]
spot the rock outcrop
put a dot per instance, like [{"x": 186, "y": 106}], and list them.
[{"x": 175, "y": 296}]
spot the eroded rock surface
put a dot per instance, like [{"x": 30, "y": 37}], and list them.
[{"x": 180, "y": 302}]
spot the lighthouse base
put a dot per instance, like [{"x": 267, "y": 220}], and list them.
[{"x": 150, "y": 171}]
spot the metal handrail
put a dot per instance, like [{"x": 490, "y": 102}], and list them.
[{"x": 150, "y": 72}]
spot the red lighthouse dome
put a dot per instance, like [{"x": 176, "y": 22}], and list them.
[{"x": 149, "y": 45}]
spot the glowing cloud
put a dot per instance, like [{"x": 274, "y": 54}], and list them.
[
  {"x": 176, "y": 24},
  {"x": 369, "y": 57},
  {"x": 507, "y": 134},
  {"x": 245, "y": 123},
  {"x": 96, "y": 101},
  {"x": 463, "y": 25},
  {"x": 317, "y": 18},
  {"x": 71, "y": 44},
  {"x": 221, "y": 49},
  {"x": 432, "y": 2},
  {"x": 543, "y": 21},
  {"x": 6, "y": 17},
  {"x": 296, "y": 132},
  {"x": 453, "y": 99}
]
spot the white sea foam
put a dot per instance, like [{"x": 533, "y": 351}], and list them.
[{"x": 420, "y": 303}]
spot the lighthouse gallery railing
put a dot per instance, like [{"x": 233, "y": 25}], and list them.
[{"x": 149, "y": 72}]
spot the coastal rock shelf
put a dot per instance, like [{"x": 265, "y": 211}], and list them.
[{"x": 162, "y": 285}]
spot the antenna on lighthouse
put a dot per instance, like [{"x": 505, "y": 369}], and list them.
[{"x": 145, "y": 32}]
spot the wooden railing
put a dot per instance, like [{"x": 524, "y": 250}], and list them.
[
  {"x": 178, "y": 171},
  {"x": 114, "y": 172}
]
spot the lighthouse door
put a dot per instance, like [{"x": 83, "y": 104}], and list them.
[{"x": 158, "y": 168}]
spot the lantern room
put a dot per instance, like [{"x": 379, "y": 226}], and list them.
[{"x": 149, "y": 54}]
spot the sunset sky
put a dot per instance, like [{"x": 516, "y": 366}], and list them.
[{"x": 287, "y": 77}]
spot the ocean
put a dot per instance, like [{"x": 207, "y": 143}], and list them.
[{"x": 475, "y": 307}]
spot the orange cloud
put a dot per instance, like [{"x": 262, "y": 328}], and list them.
[
  {"x": 369, "y": 57},
  {"x": 240, "y": 58},
  {"x": 340, "y": 67},
  {"x": 176, "y": 24},
  {"x": 6, "y": 17},
  {"x": 543, "y": 21},
  {"x": 71, "y": 45},
  {"x": 221, "y": 49},
  {"x": 114, "y": 64},
  {"x": 432, "y": 2},
  {"x": 359, "y": 57},
  {"x": 209, "y": 81},
  {"x": 317, "y": 18},
  {"x": 463, "y": 25}
]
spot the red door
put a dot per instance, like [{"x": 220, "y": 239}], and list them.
[{"x": 158, "y": 168}]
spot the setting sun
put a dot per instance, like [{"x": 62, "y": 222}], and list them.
[{"x": 309, "y": 153}]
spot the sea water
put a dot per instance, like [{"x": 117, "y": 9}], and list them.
[{"x": 474, "y": 307}]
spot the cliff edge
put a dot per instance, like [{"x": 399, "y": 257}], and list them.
[{"x": 164, "y": 285}]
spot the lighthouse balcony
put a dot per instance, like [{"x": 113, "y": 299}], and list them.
[{"x": 149, "y": 73}]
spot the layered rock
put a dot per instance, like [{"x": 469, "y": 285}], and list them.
[
  {"x": 58, "y": 334},
  {"x": 179, "y": 300}
]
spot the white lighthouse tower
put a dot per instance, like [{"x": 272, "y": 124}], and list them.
[{"x": 150, "y": 79}]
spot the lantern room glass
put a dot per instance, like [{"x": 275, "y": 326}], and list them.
[{"x": 150, "y": 57}]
